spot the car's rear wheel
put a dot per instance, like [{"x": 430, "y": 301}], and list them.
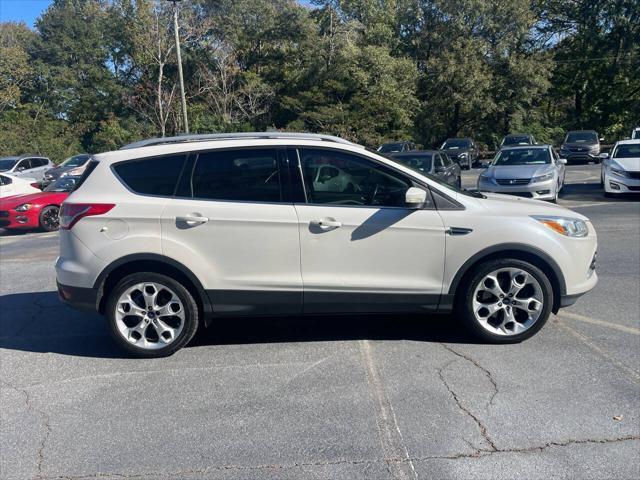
[
  {"x": 49, "y": 220},
  {"x": 151, "y": 315},
  {"x": 505, "y": 301}
]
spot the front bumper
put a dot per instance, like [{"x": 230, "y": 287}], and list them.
[
  {"x": 540, "y": 190},
  {"x": 587, "y": 156},
  {"x": 11, "y": 219},
  {"x": 616, "y": 184}
]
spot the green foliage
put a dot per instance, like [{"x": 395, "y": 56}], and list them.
[{"x": 96, "y": 74}]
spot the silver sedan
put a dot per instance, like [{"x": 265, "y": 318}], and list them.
[{"x": 530, "y": 171}]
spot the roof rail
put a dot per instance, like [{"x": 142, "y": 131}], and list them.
[{"x": 234, "y": 136}]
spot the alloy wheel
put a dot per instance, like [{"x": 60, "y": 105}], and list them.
[
  {"x": 149, "y": 315},
  {"x": 508, "y": 301}
]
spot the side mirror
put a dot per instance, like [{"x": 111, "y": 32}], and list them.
[
  {"x": 562, "y": 161},
  {"x": 485, "y": 164},
  {"x": 415, "y": 198},
  {"x": 604, "y": 156},
  {"x": 20, "y": 168}
]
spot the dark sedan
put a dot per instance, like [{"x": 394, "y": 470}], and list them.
[
  {"x": 463, "y": 151},
  {"x": 431, "y": 162}
]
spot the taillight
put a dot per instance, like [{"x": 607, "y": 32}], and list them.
[{"x": 71, "y": 213}]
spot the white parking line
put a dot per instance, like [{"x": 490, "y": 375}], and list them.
[{"x": 601, "y": 323}]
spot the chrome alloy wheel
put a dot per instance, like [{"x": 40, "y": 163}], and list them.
[
  {"x": 149, "y": 315},
  {"x": 508, "y": 301}
]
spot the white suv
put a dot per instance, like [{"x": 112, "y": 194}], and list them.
[{"x": 169, "y": 233}]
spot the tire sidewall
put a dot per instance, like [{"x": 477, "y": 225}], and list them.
[
  {"x": 465, "y": 306},
  {"x": 190, "y": 321}
]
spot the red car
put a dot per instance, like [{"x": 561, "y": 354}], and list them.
[{"x": 36, "y": 210}]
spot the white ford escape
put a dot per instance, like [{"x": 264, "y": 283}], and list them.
[{"x": 169, "y": 233}]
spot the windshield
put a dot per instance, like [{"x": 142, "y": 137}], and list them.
[
  {"x": 7, "y": 163},
  {"x": 390, "y": 147},
  {"x": 523, "y": 156},
  {"x": 516, "y": 140},
  {"x": 64, "y": 184},
  {"x": 75, "y": 161},
  {"x": 581, "y": 137},
  {"x": 421, "y": 163},
  {"x": 627, "y": 151},
  {"x": 456, "y": 143}
]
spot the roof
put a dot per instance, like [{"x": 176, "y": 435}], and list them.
[
  {"x": 235, "y": 136},
  {"x": 633, "y": 141}
]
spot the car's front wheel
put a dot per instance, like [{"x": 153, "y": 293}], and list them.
[
  {"x": 49, "y": 220},
  {"x": 151, "y": 315},
  {"x": 505, "y": 301}
]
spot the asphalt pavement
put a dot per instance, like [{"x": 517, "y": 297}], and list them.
[{"x": 386, "y": 397}]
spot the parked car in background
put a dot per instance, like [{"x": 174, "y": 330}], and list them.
[
  {"x": 168, "y": 234},
  {"x": 621, "y": 169},
  {"x": 635, "y": 134},
  {"x": 27, "y": 166},
  {"x": 517, "y": 139},
  {"x": 533, "y": 172},
  {"x": 463, "y": 151},
  {"x": 36, "y": 210},
  {"x": 581, "y": 146},
  {"x": 71, "y": 166},
  {"x": 10, "y": 185},
  {"x": 404, "y": 146},
  {"x": 431, "y": 162}
]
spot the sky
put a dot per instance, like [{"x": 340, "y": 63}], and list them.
[
  {"x": 29, "y": 10},
  {"x": 22, "y": 10}
]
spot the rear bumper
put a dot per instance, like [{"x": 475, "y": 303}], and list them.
[{"x": 80, "y": 298}]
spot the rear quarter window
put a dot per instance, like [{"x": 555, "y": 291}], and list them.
[{"x": 151, "y": 176}]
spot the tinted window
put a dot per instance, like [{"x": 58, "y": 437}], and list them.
[
  {"x": 579, "y": 137},
  {"x": 63, "y": 184},
  {"x": 421, "y": 162},
  {"x": 391, "y": 147},
  {"x": 38, "y": 162},
  {"x": 23, "y": 165},
  {"x": 457, "y": 143},
  {"x": 7, "y": 163},
  {"x": 151, "y": 176},
  {"x": 5, "y": 180},
  {"x": 517, "y": 140},
  {"x": 237, "y": 175},
  {"x": 353, "y": 180}
]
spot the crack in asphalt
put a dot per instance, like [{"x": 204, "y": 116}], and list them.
[
  {"x": 481, "y": 426},
  {"x": 45, "y": 419},
  {"x": 478, "y": 454},
  {"x": 476, "y": 364}
]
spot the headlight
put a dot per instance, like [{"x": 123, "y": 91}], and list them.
[
  {"x": 619, "y": 171},
  {"x": 542, "y": 178},
  {"x": 23, "y": 208},
  {"x": 570, "y": 227}
]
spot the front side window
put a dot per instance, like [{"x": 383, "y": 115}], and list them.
[
  {"x": 23, "y": 165},
  {"x": 627, "y": 151},
  {"x": 353, "y": 180},
  {"x": 250, "y": 175},
  {"x": 151, "y": 176}
]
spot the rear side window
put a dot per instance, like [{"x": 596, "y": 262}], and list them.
[
  {"x": 38, "y": 162},
  {"x": 151, "y": 176},
  {"x": 237, "y": 175}
]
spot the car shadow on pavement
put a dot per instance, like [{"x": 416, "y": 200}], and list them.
[
  {"x": 593, "y": 192},
  {"x": 39, "y": 322}
]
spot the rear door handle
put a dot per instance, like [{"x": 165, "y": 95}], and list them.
[
  {"x": 325, "y": 223},
  {"x": 192, "y": 219}
]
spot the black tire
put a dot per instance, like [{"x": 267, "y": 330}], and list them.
[
  {"x": 190, "y": 307},
  {"x": 464, "y": 300},
  {"x": 48, "y": 219}
]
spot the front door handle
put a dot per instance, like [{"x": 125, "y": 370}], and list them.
[
  {"x": 326, "y": 223},
  {"x": 192, "y": 219}
]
